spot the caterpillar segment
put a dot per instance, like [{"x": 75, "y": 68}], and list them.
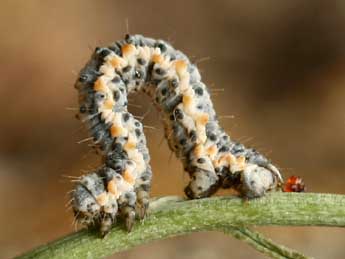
[{"x": 121, "y": 185}]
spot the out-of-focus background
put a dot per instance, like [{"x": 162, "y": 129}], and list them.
[{"x": 281, "y": 65}]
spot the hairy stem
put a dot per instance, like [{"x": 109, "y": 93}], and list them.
[
  {"x": 172, "y": 216},
  {"x": 263, "y": 244}
]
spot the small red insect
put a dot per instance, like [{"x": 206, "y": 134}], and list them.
[{"x": 294, "y": 184}]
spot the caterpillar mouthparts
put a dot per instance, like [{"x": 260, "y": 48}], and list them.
[{"x": 121, "y": 185}]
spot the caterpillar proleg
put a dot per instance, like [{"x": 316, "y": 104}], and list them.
[{"x": 121, "y": 185}]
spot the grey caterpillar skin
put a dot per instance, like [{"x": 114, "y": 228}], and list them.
[{"x": 121, "y": 185}]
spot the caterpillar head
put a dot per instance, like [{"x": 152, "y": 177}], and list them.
[
  {"x": 256, "y": 180},
  {"x": 252, "y": 180}
]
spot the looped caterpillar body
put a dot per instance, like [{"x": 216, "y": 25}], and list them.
[{"x": 122, "y": 184}]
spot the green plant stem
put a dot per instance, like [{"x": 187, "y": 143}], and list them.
[
  {"x": 263, "y": 244},
  {"x": 171, "y": 216}
]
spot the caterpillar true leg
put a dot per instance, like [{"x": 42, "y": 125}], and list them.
[{"x": 121, "y": 186}]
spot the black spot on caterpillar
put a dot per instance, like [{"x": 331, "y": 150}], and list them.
[{"x": 121, "y": 186}]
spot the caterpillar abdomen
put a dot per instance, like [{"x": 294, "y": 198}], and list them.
[{"x": 192, "y": 130}]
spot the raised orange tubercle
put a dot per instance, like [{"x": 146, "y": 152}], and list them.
[
  {"x": 212, "y": 150},
  {"x": 187, "y": 100},
  {"x": 115, "y": 131},
  {"x": 127, "y": 176},
  {"x": 116, "y": 62},
  {"x": 156, "y": 58},
  {"x": 108, "y": 104},
  {"x": 198, "y": 150},
  {"x": 180, "y": 66},
  {"x": 203, "y": 119},
  {"x": 112, "y": 187},
  {"x": 99, "y": 85},
  {"x": 130, "y": 145},
  {"x": 128, "y": 49}
]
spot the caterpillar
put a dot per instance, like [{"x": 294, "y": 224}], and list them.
[{"x": 121, "y": 185}]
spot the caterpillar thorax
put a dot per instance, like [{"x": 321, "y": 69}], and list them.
[{"x": 192, "y": 130}]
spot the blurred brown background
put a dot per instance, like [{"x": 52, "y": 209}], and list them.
[{"x": 281, "y": 64}]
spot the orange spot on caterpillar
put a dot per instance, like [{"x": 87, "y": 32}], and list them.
[
  {"x": 102, "y": 199},
  {"x": 116, "y": 62},
  {"x": 127, "y": 176},
  {"x": 99, "y": 85},
  {"x": 203, "y": 119},
  {"x": 241, "y": 162},
  {"x": 112, "y": 187},
  {"x": 108, "y": 104},
  {"x": 130, "y": 145},
  {"x": 128, "y": 49},
  {"x": 180, "y": 66},
  {"x": 212, "y": 151},
  {"x": 116, "y": 131},
  {"x": 187, "y": 100},
  {"x": 227, "y": 159},
  {"x": 294, "y": 184},
  {"x": 156, "y": 58},
  {"x": 199, "y": 150}
]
